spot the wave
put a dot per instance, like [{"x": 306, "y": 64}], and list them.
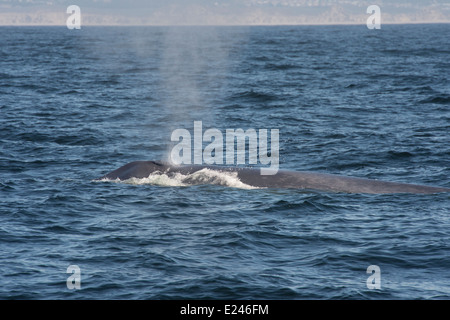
[
  {"x": 439, "y": 99},
  {"x": 255, "y": 96},
  {"x": 201, "y": 177},
  {"x": 280, "y": 66}
]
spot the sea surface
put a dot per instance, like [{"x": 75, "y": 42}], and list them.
[{"x": 77, "y": 104}]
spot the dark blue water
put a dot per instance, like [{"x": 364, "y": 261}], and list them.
[{"x": 76, "y": 104}]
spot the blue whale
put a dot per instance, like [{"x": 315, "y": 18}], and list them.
[{"x": 282, "y": 179}]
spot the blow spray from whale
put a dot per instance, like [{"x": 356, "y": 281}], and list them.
[{"x": 282, "y": 179}]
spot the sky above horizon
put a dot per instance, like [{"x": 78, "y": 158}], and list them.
[{"x": 221, "y": 12}]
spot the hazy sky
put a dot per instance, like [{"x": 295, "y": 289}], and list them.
[{"x": 220, "y": 12}]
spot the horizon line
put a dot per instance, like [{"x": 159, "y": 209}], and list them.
[{"x": 227, "y": 25}]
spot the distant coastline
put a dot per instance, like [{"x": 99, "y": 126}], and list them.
[{"x": 248, "y": 13}]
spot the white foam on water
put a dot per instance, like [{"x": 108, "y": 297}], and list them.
[{"x": 204, "y": 176}]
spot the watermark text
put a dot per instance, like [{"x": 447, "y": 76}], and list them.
[
  {"x": 374, "y": 280},
  {"x": 213, "y": 153},
  {"x": 374, "y": 21},
  {"x": 74, "y": 20},
  {"x": 74, "y": 280}
]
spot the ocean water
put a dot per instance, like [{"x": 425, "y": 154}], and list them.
[{"x": 76, "y": 104}]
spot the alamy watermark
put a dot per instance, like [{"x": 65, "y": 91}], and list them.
[
  {"x": 213, "y": 153},
  {"x": 74, "y": 280},
  {"x": 74, "y": 20},
  {"x": 374, "y": 280},
  {"x": 374, "y": 21}
]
